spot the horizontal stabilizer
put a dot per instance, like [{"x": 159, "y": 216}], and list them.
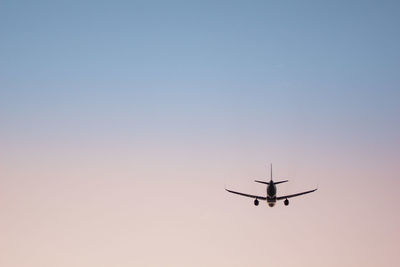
[
  {"x": 279, "y": 182},
  {"x": 261, "y": 182}
]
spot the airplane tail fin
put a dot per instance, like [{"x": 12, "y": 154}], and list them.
[{"x": 271, "y": 171}]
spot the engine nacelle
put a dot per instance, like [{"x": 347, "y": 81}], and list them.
[
  {"x": 286, "y": 202},
  {"x": 256, "y": 202}
]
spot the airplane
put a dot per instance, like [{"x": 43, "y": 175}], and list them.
[{"x": 271, "y": 197}]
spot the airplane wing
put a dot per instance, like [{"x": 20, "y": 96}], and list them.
[
  {"x": 246, "y": 195},
  {"x": 295, "y": 195}
]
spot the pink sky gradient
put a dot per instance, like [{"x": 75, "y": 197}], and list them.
[{"x": 165, "y": 205}]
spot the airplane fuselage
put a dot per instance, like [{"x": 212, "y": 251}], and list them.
[{"x": 271, "y": 194}]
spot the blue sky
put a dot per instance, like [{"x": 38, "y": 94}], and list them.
[
  {"x": 259, "y": 58},
  {"x": 258, "y": 42}
]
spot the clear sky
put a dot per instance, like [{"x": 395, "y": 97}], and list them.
[{"x": 121, "y": 122}]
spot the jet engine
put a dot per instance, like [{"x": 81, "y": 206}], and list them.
[
  {"x": 286, "y": 202},
  {"x": 256, "y": 202}
]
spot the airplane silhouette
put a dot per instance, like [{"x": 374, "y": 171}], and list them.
[{"x": 271, "y": 197}]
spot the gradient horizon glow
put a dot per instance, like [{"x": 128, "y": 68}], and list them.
[{"x": 123, "y": 121}]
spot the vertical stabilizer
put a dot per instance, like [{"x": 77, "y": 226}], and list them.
[{"x": 271, "y": 171}]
